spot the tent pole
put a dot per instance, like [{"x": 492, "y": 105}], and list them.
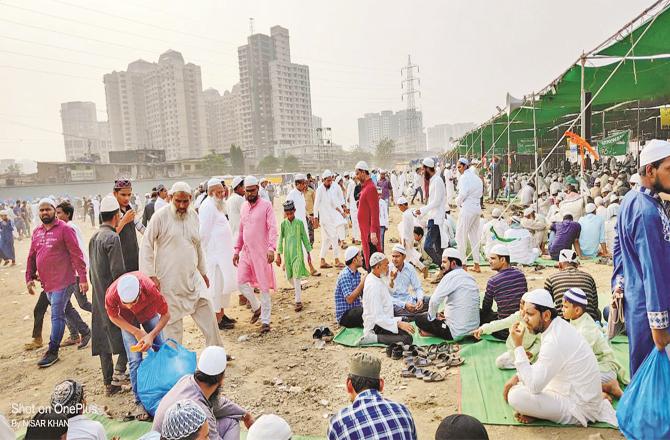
[
  {"x": 509, "y": 161},
  {"x": 583, "y": 121},
  {"x": 639, "y": 140},
  {"x": 537, "y": 173}
]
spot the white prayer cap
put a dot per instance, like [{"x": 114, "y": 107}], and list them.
[
  {"x": 539, "y": 297},
  {"x": 402, "y": 201},
  {"x": 376, "y": 258},
  {"x": 528, "y": 211},
  {"x": 590, "y": 207},
  {"x": 500, "y": 250},
  {"x": 213, "y": 182},
  {"x": 464, "y": 161},
  {"x": 4, "y": 212},
  {"x": 128, "y": 288},
  {"x": 264, "y": 179},
  {"x": 250, "y": 181},
  {"x": 350, "y": 253},
  {"x": 428, "y": 162},
  {"x": 635, "y": 178},
  {"x": 299, "y": 177},
  {"x": 362, "y": 165},
  {"x": 598, "y": 201},
  {"x": 655, "y": 150},
  {"x": 109, "y": 204},
  {"x": 613, "y": 210},
  {"x": 399, "y": 248},
  {"x": 212, "y": 360},
  {"x": 269, "y": 426},
  {"x": 496, "y": 213},
  {"x": 180, "y": 187},
  {"x": 575, "y": 295},
  {"x": 48, "y": 201},
  {"x": 326, "y": 174},
  {"x": 182, "y": 419},
  {"x": 338, "y": 179},
  {"x": 237, "y": 180},
  {"x": 516, "y": 219},
  {"x": 567, "y": 256},
  {"x": 451, "y": 253}
]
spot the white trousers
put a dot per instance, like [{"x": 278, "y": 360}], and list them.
[
  {"x": 506, "y": 361},
  {"x": 413, "y": 256},
  {"x": 545, "y": 405},
  {"x": 265, "y": 303},
  {"x": 467, "y": 229},
  {"x": 355, "y": 230},
  {"x": 328, "y": 240},
  {"x": 204, "y": 318},
  {"x": 298, "y": 289},
  {"x": 341, "y": 232}
]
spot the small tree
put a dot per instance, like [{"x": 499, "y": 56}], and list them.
[
  {"x": 291, "y": 163},
  {"x": 384, "y": 151},
  {"x": 359, "y": 154},
  {"x": 268, "y": 164},
  {"x": 14, "y": 169},
  {"x": 237, "y": 159},
  {"x": 215, "y": 163}
]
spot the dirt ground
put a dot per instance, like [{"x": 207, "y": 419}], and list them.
[{"x": 281, "y": 372}]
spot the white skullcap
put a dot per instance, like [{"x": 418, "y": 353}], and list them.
[
  {"x": 402, "y": 201},
  {"x": 527, "y": 212},
  {"x": 338, "y": 179},
  {"x": 635, "y": 178},
  {"x": 237, "y": 180},
  {"x": 598, "y": 201},
  {"x": 269, "y": 426},
  {"x": 350, "y": 253},
  {"x": 48, "y": 201},
  {"x": 326, "y": 174},
  {"x": 567, "y": 256},
  {"x": 4, "y": 212},
  {"x": 464, "y": 161},
  {"x": 575, "y": 295},
  {"x": 213, "y": 182},
  {"x": 182, "y": 419},
  {"x": 613, "y": 210},
  {"x": 109, "y": 204},
  {"x": 516, "y": 219},
  {"x": 539, "y": 297},
  {"x": 128, "y": 288},
  {"x": 496, "y": 212},
  {"x": 250, "y": 181},
  {"x": 264, "y": 179},
  {"x": 362, "y": 165},
  {"x": 655, "y": 150},
  {"x": 590, "y": 207},
  {"x": 500, "y": 250},
  {"x": 451, "y": 253},
  {"x": 607, "y": 188},
  {"x": 376, "y": 258},
  {"x": 180, "y": 187},
  {"x": 212, "y": 360},
  {"x": 428, "y": 162},
  {"x": 299, "y": 177},
  {"x": 399, "y": 248}
]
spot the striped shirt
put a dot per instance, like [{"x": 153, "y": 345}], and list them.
[
  {"x": 347, "y": 281},
  {"x": 571, "y": 277},
  {"x": 505, "y": 288}
]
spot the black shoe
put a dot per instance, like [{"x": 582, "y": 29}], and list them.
[
  {"x": 48, "y": 359},
  {"x": 227, "y": 319},
  {"x": 84, "y": 340},
  {"x": 226, "y": 325}
]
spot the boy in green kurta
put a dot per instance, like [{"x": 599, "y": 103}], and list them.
[
  {"x": 611, "y": 372},
  {"x": 292, "y": 238}
]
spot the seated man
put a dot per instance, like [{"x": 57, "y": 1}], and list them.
[
  {"x": 370, "y": 416},
  {"x": 404, "y": 278},
  {"x": 592, "y": 236},
  {"x": 68, "y": 399},
  {"x": 505, "y": 288},
  {"x": 407, "y": 236},
  {"x": 566, "y": 234},
  {"x": 461, "y": 426},
  {"x": 348, "y": 290},
  {"x": 611, "y": 373},
  {"x": 47, "y": 423},
  {"x": 568, "y": 277},
  {"x": 537, "y": 226},
  {"x": 135, "y": 305},
  {"x": 379, "y": 324},
  {"x": 460, "y": 294},
  {"x": 270, "y": 426},
  {"x": 184, "y": 420},
  {"x": 204, "y": 388},
  {"x": 563, "y": 385},
  {"x": 521, "y": 245}
]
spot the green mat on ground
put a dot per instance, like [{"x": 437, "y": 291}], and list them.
[
  {"x": 349, "y": 336},
  {"x": 135, "y": 430},
  {"x": 482, "y": 383}
]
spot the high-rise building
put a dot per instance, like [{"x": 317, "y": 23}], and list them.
[
  {"x": 232, "y": 122},
  {"x": 85, "y": 138},
  {"x": 374, "y": 127},
  {"x": 158, "y": 106},
  {"x": 275, "y": 97},
  {"x": 439, "y": 136},
  {"x": 214, "y": 115}
]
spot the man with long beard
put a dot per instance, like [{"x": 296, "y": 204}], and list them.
[
  {"x": 255, "y": 252},
  {"x": 217, "y": 244},
  {"x": 171, "y": 255}
]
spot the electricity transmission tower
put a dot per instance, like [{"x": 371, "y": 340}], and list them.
[{"x": 410, "y": 88}]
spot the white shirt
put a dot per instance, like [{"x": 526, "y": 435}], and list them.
[
  {"x": 298, "y": 200},
  {"x": 233, "y": 208},
  {"x": 566, "y": 366},
  {"x": 437, "y": 200},
  {"x": 521, "y": 249},
  {"x": 378, "y": 306},
  {"x": 417, "y": 181},
  {"x": 499, "y": 225},
  {"x": 470, "y": 191},
  {"x": 82, "y": 428},
  {"x": 383, "y": 214},
  {"x": 159, "y": 204},
  {"x": 351, "y": 200},
  {"x": 460, "y": 294},
  {"x": 80, "y": 241},
  {"x": 325, "y": 205},
  {"x": 526, "y": 195},
  {"x": 263, "y": 193},
  {"x": 406, "y": 228},
  {"x": 555, "y": 187}
]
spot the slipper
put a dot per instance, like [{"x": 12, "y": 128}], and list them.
[
  {"x": 396, "y": 353},
  {"x": 256, "y": 316},
  {"x": 421, "y": 361},
  {"x": 454, "y": 360},
  {"x": 315, "y": 273},
  {"x": 448, "y": 348},
  {"x": 419, "y": 373},
  {"x": 433, "y": 376},
  {"x": 318, "y": 333},
  {"x": 326, "y": 334},
  {"x": 325, "y": 266},
  {"x": 409, "y": 372}
]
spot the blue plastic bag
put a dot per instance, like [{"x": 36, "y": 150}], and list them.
[
  {"x": 160, "y": 370},
  {"x": 644, "y": 408}
]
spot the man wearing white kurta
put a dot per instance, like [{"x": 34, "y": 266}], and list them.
[
  {"x": 330, "y": 215},
  {"x": 340, "y": 201},
  {"x": 297, "y": 196},
  {"x": 171, "y": 255},
  {"x": 352, "y": 204},
  {"x": 470, "y": 190},
  {"x": 406, "y": 233},
  {"x": 234, "y": 205},
  {"x": 395, "y": 187},
  {"x": 563, "y": 385},
  {"x": 217, "y": 244},
  {"x": 449, "y": 177}
]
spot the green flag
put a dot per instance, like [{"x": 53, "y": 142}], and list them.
[{"x": 616, "y": 144}]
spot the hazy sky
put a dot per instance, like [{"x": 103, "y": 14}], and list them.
[{"x": 470, "y": 53}]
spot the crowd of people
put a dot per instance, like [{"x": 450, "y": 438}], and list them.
[{"x": 188, "y": 251}]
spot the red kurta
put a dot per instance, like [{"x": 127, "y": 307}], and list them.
[{"x": 368, "y": 215}]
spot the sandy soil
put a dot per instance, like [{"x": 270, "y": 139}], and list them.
[{"x": 281, "y": 372}]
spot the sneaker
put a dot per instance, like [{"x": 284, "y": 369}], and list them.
[
  {"x": 72, "y": 340},
  {"x": 48, "y": 359},
  {"x": 226, "y": 325},
  {"x": 84, "y": 340}
]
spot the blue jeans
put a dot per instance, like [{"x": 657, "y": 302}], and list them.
[
  {"x": 433, "y": 243},
  {"x": 60, "y": 308},
  {"x": 135, "y": 358}
]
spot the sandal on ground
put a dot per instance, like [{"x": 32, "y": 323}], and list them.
[
  {"x": 390, "y": 347},
  {"x": 256, "y": 316},
  {"x": 453, "y": 360},
  {"x": 433, "y": 376},
  {"x": 408, "y": 372},
  {"x": 419, "y": 373},
  {"x": 327, "y": 334},
  {"x": 318, "y": 333},
  {"x": 421, "y": 361},
  {"x": 325, "y": 266},
  {"x": 396, "y": 352},
  {"x": 448, "y": 348},
  {"x": 315, "y": 273}
]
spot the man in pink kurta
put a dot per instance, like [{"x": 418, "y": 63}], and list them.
[{"x": 254, "y": 252}]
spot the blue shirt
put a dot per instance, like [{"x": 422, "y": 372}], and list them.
[
  {"x": 347, "y": 281},
  {"x": 405, "y": 279},
  {"x": 592, "y": 234},
  {"x": 372, "y": 417}
]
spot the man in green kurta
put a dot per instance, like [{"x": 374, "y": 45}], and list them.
[{"x": 292, "y": 238}]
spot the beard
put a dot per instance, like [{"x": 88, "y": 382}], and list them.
[
  {"x": 213, "y": 399},
  {"x": 252, "y": 199},
  {"x": 658, "y": 187},
  {"x": 220, "y": 203},
  {"x": 180, "y": 215},
  {"x": 47, "y": 220}
]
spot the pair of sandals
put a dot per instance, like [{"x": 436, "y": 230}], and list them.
[
  {"x": 423, "y": 374},
  {"x": 323, "y": 333}
]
